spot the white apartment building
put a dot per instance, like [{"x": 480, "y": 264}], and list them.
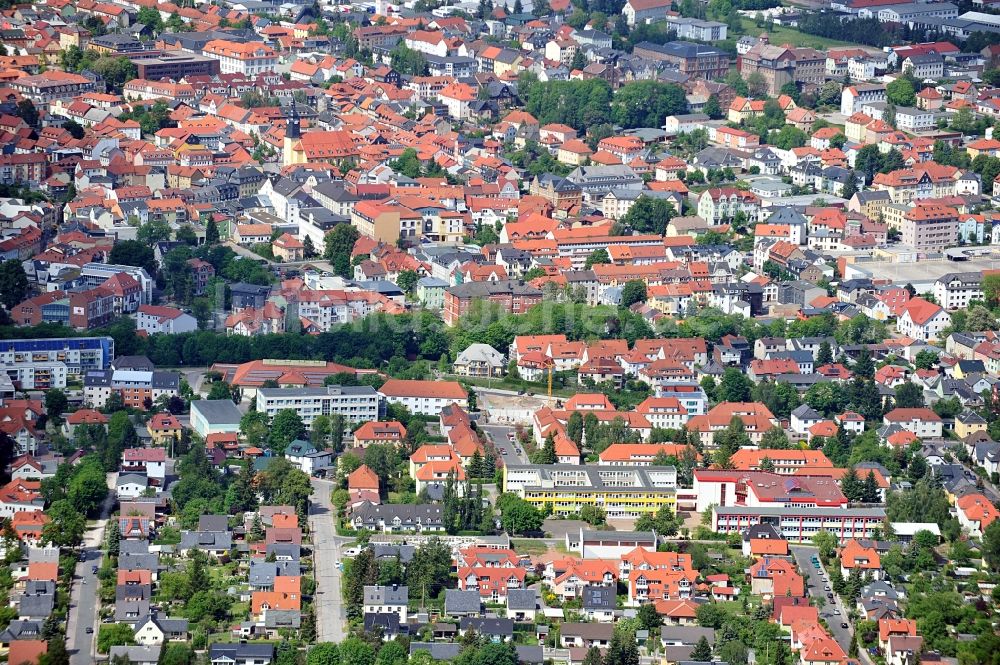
[
  {"x": 249, "y": 59},
  {"x": 37, "y": 375},
  {"x": 426, "y": 398},
  {"x": 355, "y": 403},
  {"x": 956, "y": 289}
]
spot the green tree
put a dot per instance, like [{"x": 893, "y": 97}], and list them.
[
  {"x": 649, "y": 215},
  {"x": 702, "y": 651},
  {"x": 153, "y": 232},
  {"x": 55, "y": 403},
  {"x": 735, "y": 386},
  {"x": 407, "y": 280},
  {"x": 324, "y": 653},
  {"x": 149, "y": 16},
  {"x": 133, "y": 253},
  {"x": 547, "y": 453},
  {"x": 339, "y": 243},
  {"x": 287, "y": 426},
  {"x": 26, "y": 111},
  {"x": 864, "y": 366},
  {"x": 870, "y": 490},
  {"x": 593, "y": 657},
  {"x": 712, "y": 108},
  {"x": 851, "y": 485},
  {"x": 909, "y": 395},
  {"x": 633, "y": 291},
  {"x": 925, "y": 359},
  {"x": 211, "y": 232},
  {"x": 66, "y": 525},
  {"x": 517, "y": 515},
  {"x": 901, "y": 92},
  {"x": 13, "y": 283},
  {"x": 826, "y": 543},
  {"x": 596, "y": 257},
  {"x": 113, "y": 635}
]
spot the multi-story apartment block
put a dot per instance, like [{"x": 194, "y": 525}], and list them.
[
  {"x": 36, "y": 375},
  {"x": 426, "y": 398},
  {"x": 801, "y": 524},
  {"x": 930, "y": 228},
  {"x": 175, "y": 66},
  {"x": 23, "y": 169},
  {"x": 96, "y": 274},
  {"x": 249, "y": 59},
  {"x": 721, "y": 203},
  {"x": 79, "y": 354},
  {"x": 695, "y": 60},
  {"x": 622, "y": 491},
  {"x": 44, "y": 88},
  {"x": 139, "y": 388},
  {"x": 698, "y": 30},
  {"x": 355, "y": 403},
  {"x": 853, "y": 98},
  {"x": 956, "y": 289},
  {"x": 924, "y": 181},
  {"x": 514, "y": 297}
]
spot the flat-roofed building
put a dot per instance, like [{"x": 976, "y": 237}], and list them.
[
  {"x": 801, "y": 524},
  {"x": 625, "y": 492},
  {"x": 355, "y": 403},
  {"x": 175, "y": 66}
]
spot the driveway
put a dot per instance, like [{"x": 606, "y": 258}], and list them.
[
  {"x": 816, "y": 581},
  {"x": 329, "y": 600},
  {"x": 83, "y": 595}
]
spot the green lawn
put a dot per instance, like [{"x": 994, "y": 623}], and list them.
[
  {"x": 529, "y": 546},
  {"x": 784, "y": 35}
]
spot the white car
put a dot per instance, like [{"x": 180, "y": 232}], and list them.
[{"x": 353, "y": 551}]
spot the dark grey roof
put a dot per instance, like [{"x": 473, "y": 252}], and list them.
[
  {"x": 459, "y": 601},
  {"x": 392, "y": 550},
  {"x": 386, "y": 595},
  {"x": 488, "y": 626},
  {"x": 262, "y": 573},
  {"x": 241, "y": 651},
  {"x": 599, "y": 597},
  {"x": 437, "y": 650},
  {"x": 37, "y": 606},
  {"x": 131, "y": 611},
  {"x": 388, "y": 622},
  {"x": 283, "y": 619},
  {"x": 212, "y": 540},
  {"x": 425, "y": 514},
  {"x": 522, "y": 599},
  {"x": 686, "y": 634},
  {"x": 217, "y": 410},
  {"x": 213, "y": 523},
  {"x": 528, "y": 654}
]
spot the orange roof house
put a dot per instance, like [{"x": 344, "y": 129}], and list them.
[
  {"x": 975, "y": 513},
  {"x": 855, "y": 556},
  {"x": 27, "y": 652},
  {"x": 363, "y": 478}
]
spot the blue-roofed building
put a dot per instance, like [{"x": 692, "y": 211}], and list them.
[{"x": 78, "y": 353}]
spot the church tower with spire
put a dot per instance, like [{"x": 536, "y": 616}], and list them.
[{"x": 293, "y": 132}]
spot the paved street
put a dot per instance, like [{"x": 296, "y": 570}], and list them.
[
  {"x": 511, "y": 451},
  {"x": 816, "y": 581},
  {"x": 329, "y": 601},
  {"x": 83, "y": 596}
]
